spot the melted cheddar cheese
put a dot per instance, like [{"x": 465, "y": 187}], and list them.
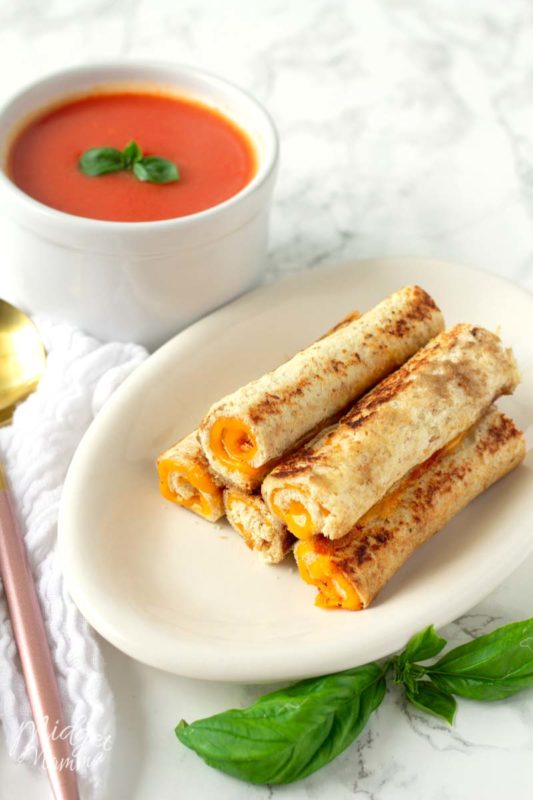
[
  {"x": 295, "y": 516},
  {"x": 388, "y": 504},
  {"x": 233, "y": 444},
  {"x": 202, "y": 491},
  {"x": 319, "y": 570}
]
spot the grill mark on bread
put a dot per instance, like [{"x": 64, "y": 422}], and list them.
[
  {"x": 437, "y": 381},
  {"x": 270, "y": 404},
  {"x": 285, "y": 408},
  {"x": 498, "y": 434},
  {"x": 298, "y": 463},
  {"x": 365, "y": 540},
  {"x": 413, "y": 511},
  {"x": 423, "y": 309}
]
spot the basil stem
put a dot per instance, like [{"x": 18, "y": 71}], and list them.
[
  {"x": 420, "y": 647},
  {"x": 150, "y": 169}
]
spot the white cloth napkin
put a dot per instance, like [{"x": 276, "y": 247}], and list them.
[{"x": 37, "y": 448}]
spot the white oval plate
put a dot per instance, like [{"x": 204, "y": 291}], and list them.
[{"x": 187, "y": 596}]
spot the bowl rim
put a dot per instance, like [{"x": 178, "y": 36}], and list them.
[{"x": 46, "y": 213}]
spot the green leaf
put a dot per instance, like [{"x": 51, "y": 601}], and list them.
[
  {"x": 101, "y": 160},
  {"x": 423, "y": 645},
  {"x": 490, "y": 667},
  {"x": 429, "y": 698},
  {"x": 420, "y": 647},
  {"x": 288, "y": 734},
  {"x": 156, "y": 170},
  {"x": 152, "y": 169},
  {"x": 132, "y": 153}
]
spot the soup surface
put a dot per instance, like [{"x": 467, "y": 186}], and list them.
[{"x": 215, "y": 158}]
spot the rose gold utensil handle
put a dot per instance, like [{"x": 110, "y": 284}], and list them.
[{"x": 35, "y": 657}]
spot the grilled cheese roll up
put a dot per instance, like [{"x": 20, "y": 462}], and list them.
[
  {"x": 350, "y": 572},
  {"x": 184, "y": 474},
  {"x": 185, "y": 479},
  {"x": 440, "y": 392},
  {"x": 245, "y": 433},
  {"x": 261, "y": 531}
]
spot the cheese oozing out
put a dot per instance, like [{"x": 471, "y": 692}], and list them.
[
  {"x": 190, "y": 486},
  {"x": 317, "y": 567},
  {"x": 233, "y": 444},
  {"x": 319, "y": 570},
  {"x": 295, "y": 516}
]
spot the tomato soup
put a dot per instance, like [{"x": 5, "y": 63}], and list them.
[{"x": 214, "y": 157}]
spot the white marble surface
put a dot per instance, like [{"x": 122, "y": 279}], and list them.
[{"x": 407, "y": 128}]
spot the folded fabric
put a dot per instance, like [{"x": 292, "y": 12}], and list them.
[{"x": 37, "y": 448}]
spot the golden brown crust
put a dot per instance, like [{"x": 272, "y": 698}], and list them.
[
  {"x": 289, "y": 405},
  {"x": 421, "y": 309},
  {"x": 425, "y": 501},
  {"x": 441, "y": 384},
  {"x": 439, "y": 392},
  {"x": 451, "y": 373}
]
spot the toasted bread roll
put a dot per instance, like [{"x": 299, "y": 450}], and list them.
[
  {"x": 261, "y": 531},
  {"x": 441, "y": 391},
  {"x": 185, "y": 479},
  {"x": 349, "y": 572},
  {"x": 246, "y": 432}
]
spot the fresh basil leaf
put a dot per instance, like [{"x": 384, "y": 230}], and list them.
[
  {"x": 101, "y": 160},
  {"x": 490, "y": 667},
  {"x": 152, "y": 169},
  {"x": 429, "y": 698},
  {"x": 132, "y": 153},
  {"x": 288, "y": 734},
  {"x": 156, "y": 170},
  {"x": 423, "y": 645}
]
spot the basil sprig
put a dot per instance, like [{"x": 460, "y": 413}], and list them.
[
  {"x": 289, "y": 734},
  {"x": 152, "y": 169}
]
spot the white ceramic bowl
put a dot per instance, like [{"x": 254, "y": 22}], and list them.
[{"x": 135, "y": 281}]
